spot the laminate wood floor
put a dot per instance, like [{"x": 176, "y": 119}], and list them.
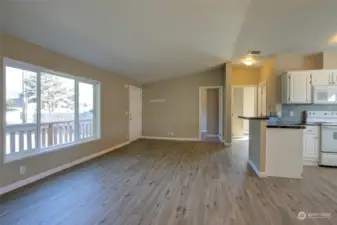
[{"x": 170, "y": 183}]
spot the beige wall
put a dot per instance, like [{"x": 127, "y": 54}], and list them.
[
  {"x": 227, "y": 121},
  {"x": 114, "y": 104},
  {"x": 180, "y": 111},
  {"x": 243, "y": 75},
  {"x": 249, "y": 105},
  {"x": 237, "y": 107},
  {"x": 330, "y": 60},
  {"x": 213, "y": 111}
]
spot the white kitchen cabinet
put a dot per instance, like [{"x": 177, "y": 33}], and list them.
[
  {"x": 296, "y": 87},
  {"x": 311, "y": 146},
  {"x": 322, "y": 77},
  {"x": 334, "y": 77}
]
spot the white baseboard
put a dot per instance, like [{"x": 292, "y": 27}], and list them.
[
  {"x": 310, "y": 163},
  {"x": 256, "y": 170},
  {"x": 47, "y": 173},
  {"x": 227, "y": 144},
  {"x": 212, "y": 135},
  {"x": 171, "y": 138}
]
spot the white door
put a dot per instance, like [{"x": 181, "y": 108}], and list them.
[
  {"x": 321, "y": 77},
  {"x": 259, "y": 101},
  {"x": 220, "y": 113},
  {"x": 135, "y": 114},
  {"x": 310, "y": 147},
  {"x": 299, "y": 87}
]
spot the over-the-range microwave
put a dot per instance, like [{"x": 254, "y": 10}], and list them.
[{"x": 325, "y": 94}]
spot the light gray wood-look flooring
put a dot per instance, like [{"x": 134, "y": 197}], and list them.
[{"x": 171, "y": 183}]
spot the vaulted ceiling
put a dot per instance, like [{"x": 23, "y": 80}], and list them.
[{"x": 149, "y": 40}]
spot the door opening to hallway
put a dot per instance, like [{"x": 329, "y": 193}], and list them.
[
  {"x": 244, "y": 103},
  {"x": 210, "y": 113}
]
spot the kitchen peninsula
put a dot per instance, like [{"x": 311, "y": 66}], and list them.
[{"x": 275, "y": 149}]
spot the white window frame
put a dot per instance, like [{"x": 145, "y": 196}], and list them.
[{"x": 7, "y": 62}]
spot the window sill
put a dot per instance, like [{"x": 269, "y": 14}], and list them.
[{"x": 27, "y": 154}]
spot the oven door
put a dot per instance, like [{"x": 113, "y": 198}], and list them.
[{"x": 329, "y": 138}]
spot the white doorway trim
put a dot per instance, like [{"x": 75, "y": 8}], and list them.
[
  {"x": 262, "y": 99},
  {"x": 232, "y": 101},
  {"x": 220, "y": 88}
]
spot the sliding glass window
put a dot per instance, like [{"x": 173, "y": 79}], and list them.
[{"x": 47, "y": 110}]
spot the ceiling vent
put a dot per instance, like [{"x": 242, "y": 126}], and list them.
[{"x": 254, "y": 52}]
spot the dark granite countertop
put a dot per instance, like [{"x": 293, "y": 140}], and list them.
[
  {"x": 286, "y": 126},
  {"x": 254, "y": 118}
]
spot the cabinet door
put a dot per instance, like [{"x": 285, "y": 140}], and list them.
[
  {"x": 299, "y": 87},
  {"x": 310, "y": 147},
  {"x": 334, "y": 77},
  {"x": 321, "y": 77}
]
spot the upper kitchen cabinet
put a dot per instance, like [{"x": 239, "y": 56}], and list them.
[
  {"x": 296, "y": 87},
  {"x": 322, "y": 77},
  {"x": 334, "y": 77}
]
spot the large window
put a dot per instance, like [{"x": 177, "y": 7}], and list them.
[{"x": 46, "y": 110}]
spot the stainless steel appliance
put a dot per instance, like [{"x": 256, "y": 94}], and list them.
[{"x": 328, "y": 135}]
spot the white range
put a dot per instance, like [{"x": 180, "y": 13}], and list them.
[{"x": 328, "y": 135}]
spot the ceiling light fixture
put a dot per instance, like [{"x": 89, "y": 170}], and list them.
[
  {"x": 333, "y": 39},
  {"x": 248, "y": 62}
]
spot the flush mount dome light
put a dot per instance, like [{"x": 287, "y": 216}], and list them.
[
  {"x": 333, "y": 39},
  {"x": 248, "y": 62}
]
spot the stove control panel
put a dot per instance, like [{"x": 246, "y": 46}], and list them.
[{"x": 322, "y": 114}]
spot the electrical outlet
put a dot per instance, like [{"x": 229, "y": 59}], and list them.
[
  {"x": 291, "y": 113},
  {"x": 22, "y": 170},
  {"x": 172, "y": 134}
]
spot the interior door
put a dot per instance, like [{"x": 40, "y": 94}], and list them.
[
  {"x": 237, "y": 110},
  {"x": 135, "y": 113},
  {"x": 259, "y": 101}
]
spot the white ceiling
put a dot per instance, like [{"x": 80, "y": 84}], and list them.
[{"x": 150, "y": 40}]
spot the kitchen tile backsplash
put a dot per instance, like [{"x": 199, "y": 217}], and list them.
[{"x": 298, "y": 109}]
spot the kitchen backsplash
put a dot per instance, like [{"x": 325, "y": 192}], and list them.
[{"x": 298, "y": 109}]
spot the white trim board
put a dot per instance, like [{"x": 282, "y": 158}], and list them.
[
  {"x": 170, "y": 138},
  {"x": 212, "y": 135},
  {"x": 256, "y": 170},
  {"x": 47, "y": 173}
]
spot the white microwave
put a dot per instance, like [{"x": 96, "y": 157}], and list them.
[{"x": 325, "y": 94}]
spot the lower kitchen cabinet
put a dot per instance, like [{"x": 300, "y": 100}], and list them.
[{"x": 310, "y": 149}]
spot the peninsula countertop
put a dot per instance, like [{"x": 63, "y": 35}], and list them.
[
  {"x": 275, "y": 124},
  {"x": 254, "y": 117}
]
